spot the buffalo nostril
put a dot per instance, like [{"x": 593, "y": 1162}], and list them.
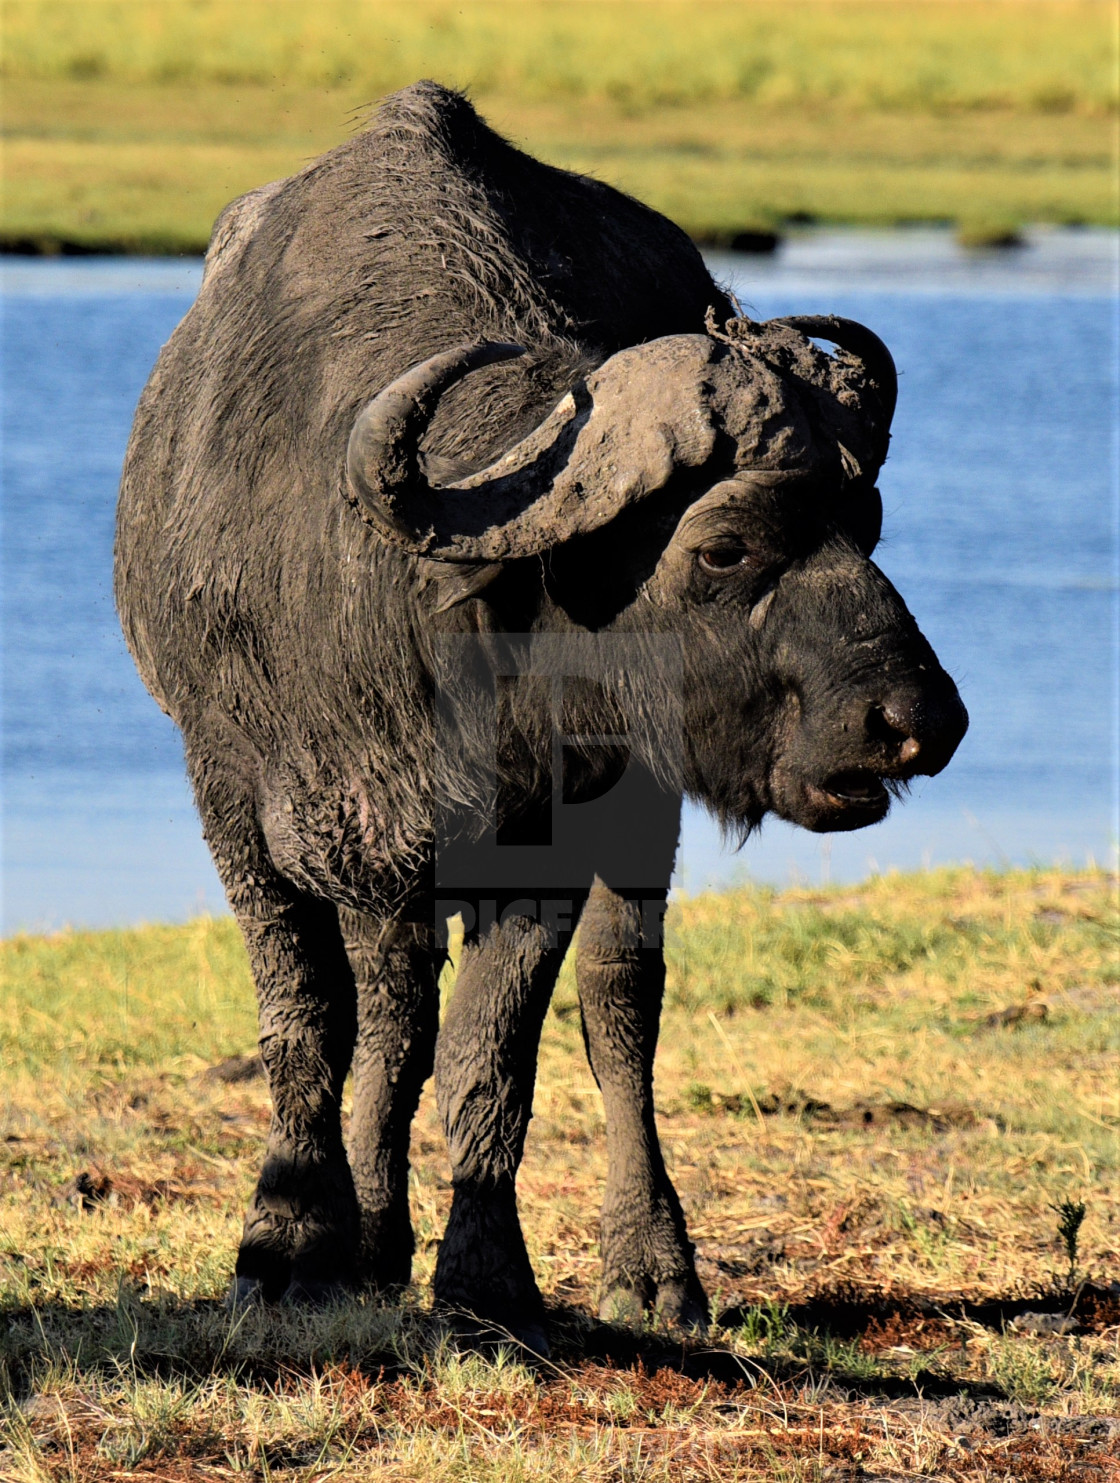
[
  {"x": 921, "y": 730},
  {"x": 902, "y": 717},
  {"x": 890, "y": 725},
  {"x": 895, "y": 726}
]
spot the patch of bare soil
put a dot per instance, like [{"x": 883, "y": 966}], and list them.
[
  {"x": 882, "y": 1320},
  {"x": 793, "y": 1102},
  {"x": 1033, "y": 1012},
  {"x": 234, "y": 1070},
  {"x": 91, "y": 1188}
]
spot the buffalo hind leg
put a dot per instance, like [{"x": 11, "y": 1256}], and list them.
[
  {"x": 396, "y": 966},
  {"x": 486, "y": 1063},
  {"x": 647, "y": 1256},
  {"x": 300, "y": 1238}
]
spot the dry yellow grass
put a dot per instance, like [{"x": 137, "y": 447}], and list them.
[{"x": 868, "y": 1166}]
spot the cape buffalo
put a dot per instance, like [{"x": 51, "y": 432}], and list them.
[{"x": 465, "y": 527}]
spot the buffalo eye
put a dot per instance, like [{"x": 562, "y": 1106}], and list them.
[{"x": 721, "y": 561}]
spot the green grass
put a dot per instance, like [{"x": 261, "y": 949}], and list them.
[
  {"x": 139, "y": 997},
  {"x": 133, "y": 124},
  {"x": 1052, "y": 56},
  {"x": 837, "y": 1247}
]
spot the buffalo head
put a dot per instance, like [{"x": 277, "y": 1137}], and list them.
[{"x": 719, "y": 487}]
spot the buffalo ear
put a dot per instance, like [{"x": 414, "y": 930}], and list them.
[
  {"x": 449, "y": 583},
  {"x": 864, "y": 517}
]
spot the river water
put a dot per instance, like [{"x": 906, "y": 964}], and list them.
[{"x": 1001, "y": 532}]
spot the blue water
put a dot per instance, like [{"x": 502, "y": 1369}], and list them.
[{"x": 1001, "y": 532}]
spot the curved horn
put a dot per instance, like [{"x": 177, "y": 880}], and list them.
[
  {"x": 863, "y": 343},
  {"x": 382, "y": 456},
  {"x": 572, "y": 474}
]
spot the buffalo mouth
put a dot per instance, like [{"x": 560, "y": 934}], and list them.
[{"x": 855, "y": 796}]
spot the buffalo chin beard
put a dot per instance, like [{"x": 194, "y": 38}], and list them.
[
  {"x": 739, "y": 812},
  {"x": 846, "y": 799},
  {"x": 850, "y": 798}
]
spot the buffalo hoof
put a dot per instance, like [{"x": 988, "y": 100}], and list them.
[
  {"x": 533, "y": 1340},
  {"x": 483, "y": 1274},
  {"x": 681, "y": 1306},
  {"x": 302, "y": 1227},
  {"x": 312, "y": 1292},
  {"x": 301, "y": 1292},
  {"x": 384, "y": 1280},
  {"x": 677, "y": 1305},
  {"x": 244, "y": 1292},
  {"x": 385, "y": 1260},
  {"x": 477, "y": 1336},
  {"x": 624, "y": 1307}
]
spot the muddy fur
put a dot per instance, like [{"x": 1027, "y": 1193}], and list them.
[{"x": 697, "y": 510}]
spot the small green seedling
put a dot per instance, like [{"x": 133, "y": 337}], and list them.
[
  {"x": 698, "y": 1097},
  {"x": 1070, "y": 1214}
]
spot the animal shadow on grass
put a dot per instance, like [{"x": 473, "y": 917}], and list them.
[
  {"x": 162, "y": 1333},
  {"x": 397, "y": 1364},
  {"x": 164, "y": 1336},
  {"x": 853, "y": 1320}
]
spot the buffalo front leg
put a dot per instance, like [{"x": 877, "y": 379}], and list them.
[
  {"x": 396, "y": 967},
  {"x": 300, "y": 1238},
  {"x": 486, "y": 1062},
  {"x": 620, "y": 973}
]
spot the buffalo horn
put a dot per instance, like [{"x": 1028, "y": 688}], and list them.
[
  {"x": 382, "y": 456},
  {"x": 866, "y": 346},
  {"x": 530, "y": 498}
]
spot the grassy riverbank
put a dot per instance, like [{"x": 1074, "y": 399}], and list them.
[
  {"x": 132, "y": 125},
  {"x": 871, "y": 1099}
]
